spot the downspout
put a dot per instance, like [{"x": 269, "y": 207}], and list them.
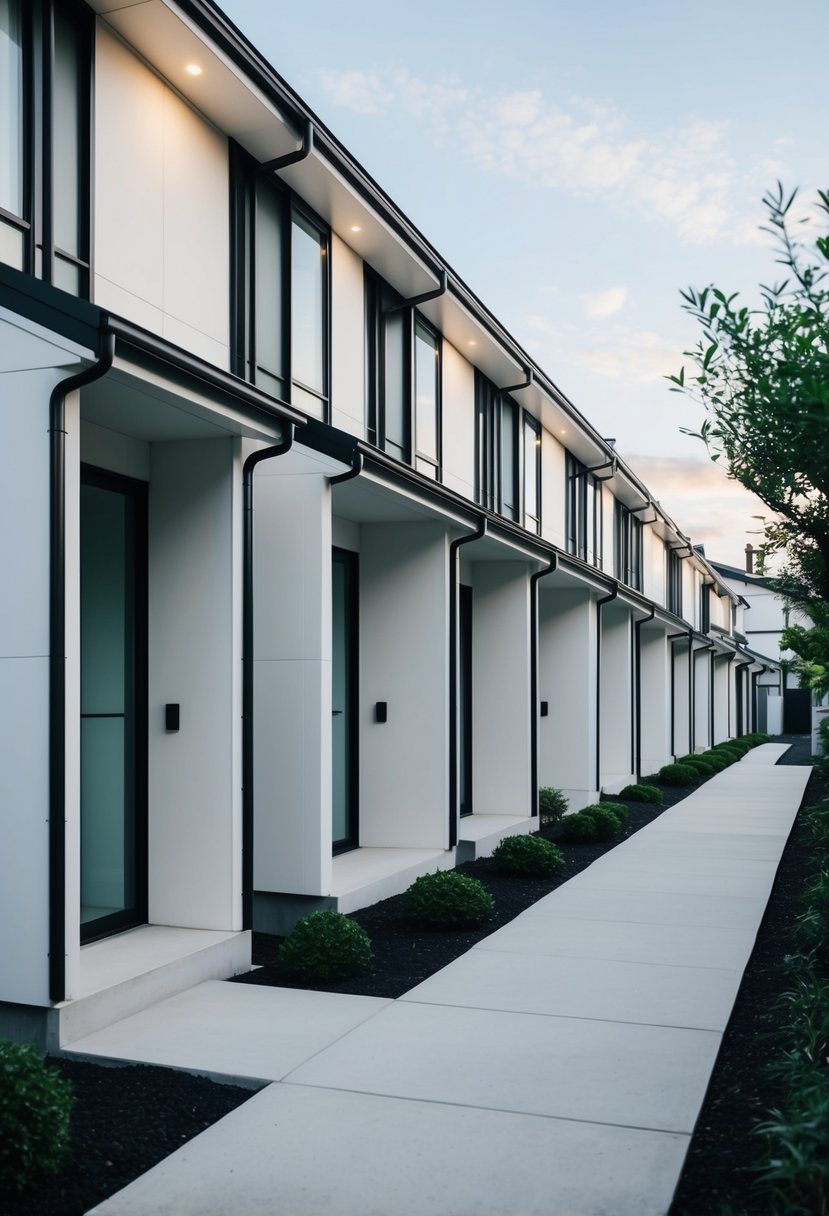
[
  {"x": 57, "y": 659},
  {"x": 534, "y": 578},
  {"x": 692, "y": 671},
  {"x": 606, "y": 599},
  {"x": 291, "y": 158},
  {"x": 637, "y": 627},
  {"x": 255, "y": 458},
  {"x": 454, "y": 546}
]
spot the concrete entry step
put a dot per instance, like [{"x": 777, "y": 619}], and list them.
[
  {"x": 131, "y": 971},
  {"x": 479, "y": 835}
]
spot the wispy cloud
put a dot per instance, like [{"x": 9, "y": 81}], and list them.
[
  {"x": 685, "y": 176},
  {"x": 639, "y": 355},
  {"x": 602, "y": 304}
]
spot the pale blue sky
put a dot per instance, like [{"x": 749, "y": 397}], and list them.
[{"x": 577, "y": 164}]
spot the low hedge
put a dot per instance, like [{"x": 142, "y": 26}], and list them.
[
  {"x": 642, "y": 793},
  {"x": 448, "y": 900},
  {"x": 678, "y": 774},
  {"x": 528, "y": 856}
]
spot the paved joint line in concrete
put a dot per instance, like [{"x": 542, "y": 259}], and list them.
[
  {"x": 496, "y": 1110},
  {"x": 553, "y": 1017},
  {"x": 600, "y": 958}
]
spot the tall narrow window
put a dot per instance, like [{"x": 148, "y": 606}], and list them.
[
  {"x": 674, "y": 582},
  {"x": 498, "y": 450},
  {"x": 280, "y": 302},
  {"x": 309, "y": 276},
  {"x": 45, "y": 108},
  {"x": 628, "y": 547},
  {"x": 427, "y": 398},
  {"x": 403, "y": 379},
  {"x": 705, "y": 608},
  {"x": 532, "y": 473}
]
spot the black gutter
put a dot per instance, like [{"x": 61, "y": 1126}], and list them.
[
  {"x": 534, "y": 578},
  {"x": 425, "y": 296},
  {"x": 454, "y": 546},
  {"x": 355, "y": 470},
  {"x": 248, "y": 468},
  {"x": 57, "y": 658},
  {"x": 637, "y": 676},
  {"x": 606, "y": 599},
  {"x": 291, "y": 158}
]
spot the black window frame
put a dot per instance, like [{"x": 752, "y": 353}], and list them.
[
  {"x": 385, "y": 307},
  {"x": 531, "y": 443},
  {"x": 40, "y": 185},
  {"x": 584, "y": 526},
  {"x": 673, "y": 581},
  {"x": 245, "y": 185},
  {"x": 492, "y": 465},
  {"x": 705, "y": 607},
  {"x": 629, "y": 533}
]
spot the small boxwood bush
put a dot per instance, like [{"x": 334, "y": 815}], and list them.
[
  {"x": 552, "y": 804},
  {"x": 448, "y": 900},
  {"x": 323, "y": 946},
  {"x": 528, "y": 856},
  {"x": 35, "y": 1108},
  {"x": 701, "y": 764},
  {"x": 716, "y": 761},
  {"x": 617, "y": 809},
  {"x": 642, "y": 793},
  {"x": 580, "y": 829},
  {"x": 677, "y": 774}
]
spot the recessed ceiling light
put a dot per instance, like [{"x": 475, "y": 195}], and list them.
[
  {"x": 193, "y": 69},
  {"x": 472, "y": 342},
  {"x": 356, "y": 228}
]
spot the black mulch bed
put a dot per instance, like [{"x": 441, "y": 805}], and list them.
[{"x": 128, "y": 1118}]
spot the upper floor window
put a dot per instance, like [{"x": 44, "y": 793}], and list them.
[
  {"x": 674, "y": 582},
  {"x": 496, "y": 449},
  {"x": 45, "y": 117},
  {"x": 628, "y": 558},
  {"x": 704, "y": 608},
  {"x": 280, "y": 295},
  {"x": 583, "y": 515},
  {"x": 403, "y": 364},
  {"x": 531, "y": 465}
]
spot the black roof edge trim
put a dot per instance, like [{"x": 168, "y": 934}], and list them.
[{"x": 58, "y": 311}]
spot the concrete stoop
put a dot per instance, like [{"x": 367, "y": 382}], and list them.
[
  {"x": 132, "y": 971},
  {"x": 480, "y": 835}
]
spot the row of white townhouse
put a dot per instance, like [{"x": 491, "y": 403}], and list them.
[{"x": 311, "y": 576}]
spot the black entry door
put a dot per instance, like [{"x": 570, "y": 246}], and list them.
[
  {"x": 344, "y": 668},
  {"x": 113, "y": 585}
]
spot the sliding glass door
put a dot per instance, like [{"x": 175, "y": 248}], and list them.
[{"x": 113, "y": 563}]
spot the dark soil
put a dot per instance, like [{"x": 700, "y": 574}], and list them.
[{"x": 128, "y": 1118}]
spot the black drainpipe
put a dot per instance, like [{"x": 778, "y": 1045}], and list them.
[
  {"x": 478, "y": 534},
  {"x": 57, "y": 659},
  {"x": 691, "y": 693},
  {"x": 534, "y": 577},
  {"x": 255, "y": 458},
  {"x": 606, "y": 599},
  {"x": 637, "y": 658}
]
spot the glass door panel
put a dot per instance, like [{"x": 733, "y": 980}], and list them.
[
  {"x": 113, "y": 704},
  {"x": 465, "y": 697},
  {"x": 344, "y": 700}
]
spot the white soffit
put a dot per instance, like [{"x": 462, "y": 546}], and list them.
[{"x": 170, "y": 42}]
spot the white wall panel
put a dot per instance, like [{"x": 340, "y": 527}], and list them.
[
  {"x": 615, "y": 694},
  {"x": 292, "y": 682},
  {"x": 681, "y": 742},
  {"x": 567, "y": 681},
  {"x": 195, "y": 784},
  {"x": 655, "y": 691},
  {"x": 404, "y": 595},
  {"x": 116, "y": 452},
  {"x": 347, "y": 339},
  {"x": 702, "y": 699},
  {"x": 458, "y": 423},
  {"x": 553, "y": 490},
  {"x": 501, "y": 688}
]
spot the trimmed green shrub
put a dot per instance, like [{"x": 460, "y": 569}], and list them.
[
  {"x": 325, "y": 945},
  {"x": 677, "y": 774},
  {"x": 730, "y": 754},
  {"x": 580, "y": 829},
  {"x": 702, "y": 766},
  {"x": 617, "y": 809},
  {"x": 734, "y": 745},
  {"x": 552, "y": 804},
  {"x": 528, "y": 856},
  {"x": 642, "y": 793},
  {"x": 607, "y": 823},
  {"x": 448, "y": 900},
  {"x": 35, "y": 1108},
  {"x": 716, "y": 761}
]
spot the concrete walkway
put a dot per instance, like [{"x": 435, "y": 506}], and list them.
[{"x": 556, "y": 1069}]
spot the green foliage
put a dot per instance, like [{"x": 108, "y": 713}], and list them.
[
  {"x": 448, "y": 900},
  {"x": 701, "y": 764},
  {"x": 604, "y": 817},
  {"x": 323, "y": 946},
  {"x": 617, "y": 809},
  {"x": 580, "y": 829},
  {"x": 678, "y": 774},
  {"x": 642, "y": 793},
  {"x": 716, "y": 761},
  {"x": 552, "y": 804},
  {"x": 530, "y": 856},
  {"x": 35, "y": 1109},
  {"x": 762, "y": 376}
]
